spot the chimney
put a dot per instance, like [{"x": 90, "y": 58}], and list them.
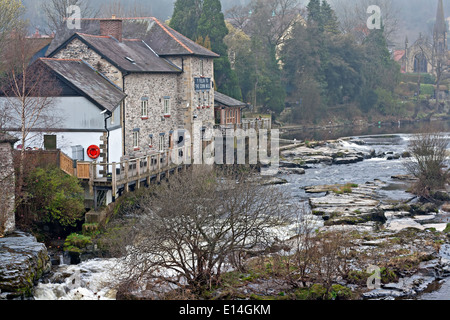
[{"x": 111, "y": 27}]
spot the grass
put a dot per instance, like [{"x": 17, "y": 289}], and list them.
[{"x": 347, "y": 188}]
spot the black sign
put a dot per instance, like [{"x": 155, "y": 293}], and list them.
[{"x": 202, "y": 84}]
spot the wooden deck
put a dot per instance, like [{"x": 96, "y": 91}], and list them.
[{"x": 132, "y": 173}]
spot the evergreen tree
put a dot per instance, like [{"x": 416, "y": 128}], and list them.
[
  {"x": 211, "y": 24},
  {"x": 314, "y": 16},
  {"x": 329, "y": 21},
  {"x": 203, "y": 22},
  {"x": 185, "y": 17}
]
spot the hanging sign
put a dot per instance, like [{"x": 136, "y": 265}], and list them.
[{"x": 202, "y": 84}]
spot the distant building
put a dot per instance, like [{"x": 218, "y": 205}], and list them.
[
  {"x": 422, "y": 56},
  {"x": 227, "y": 111}
]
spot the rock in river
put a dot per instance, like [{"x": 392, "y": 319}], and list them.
[{"x": 23, "y": 261}]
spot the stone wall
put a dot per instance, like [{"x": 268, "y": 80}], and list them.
[
  {"x": 154, "y": 88},
  {"x": 76, "y": 49},
  {"x": 7, "y": 197},
  {"x": 195, "y": 117},
  {"x": 184, "y": 105}
]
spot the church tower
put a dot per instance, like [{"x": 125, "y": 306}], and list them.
[{"x": 440, "y": 34}]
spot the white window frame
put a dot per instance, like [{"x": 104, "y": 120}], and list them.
[
  {"x": 162, "y": 142},
  {"x": 144, "y": 108},
  {"x": 136, "y": 139},
  {"x": 166, "y": 106}
]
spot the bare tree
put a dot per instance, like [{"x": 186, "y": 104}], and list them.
[
  {"x": 353, "y": 17},
  {"x": 57, "y": 11},
  {"x": 130, "y": 9},
  {"x": 29, "y": 93},
  {"x": 193, "y": 228},
  {"x": 271, "y": 18},
  {"x": 428, "y": 162},
  {"x": 10, "y": 12}
]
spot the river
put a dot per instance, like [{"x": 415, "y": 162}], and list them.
[{"x": 92, "y": 280}]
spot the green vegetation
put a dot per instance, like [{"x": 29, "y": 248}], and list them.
[
  {"x": 347, "y": 188},
  {"x": 55, "y": 197},
  {"x": 75, "y": 242},
  {"x": 203, "y": 21}
]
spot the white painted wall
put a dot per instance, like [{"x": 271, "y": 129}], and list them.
[{"x": 83, "y": 121}]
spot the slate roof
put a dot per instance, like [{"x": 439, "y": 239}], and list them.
[
  {"x": 227, "y": 101},
  {"x": 130, "y": 55},
  {"x": 87, "y": 81},
  {"x": 5, "y": 137},
  {"x": 164, "y": 40},
  {"x": 168, "y": 42}
]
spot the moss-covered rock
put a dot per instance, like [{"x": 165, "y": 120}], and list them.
[{"x": 23, "y": 261}]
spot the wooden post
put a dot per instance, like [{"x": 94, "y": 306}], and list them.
[
  {"x": 91, "y": 179},
  {"x": 94, "y": 165},
  {"x": 138, "y": 169},
  {"x": 158, "y": 176},
  {"x": 127, "y": 167},
  {"x": 114, "y": 179},
  {"x": 149, "y": 158}
]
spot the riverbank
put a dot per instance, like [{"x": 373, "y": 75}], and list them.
[
  {"x": 387, "y": 228},
  {"x": 358, "y": 202},
  {"x": 330, "y": 131}
]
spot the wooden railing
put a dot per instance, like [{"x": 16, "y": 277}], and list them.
[
  {"x": 66, "y": 164},
  {"x": 137, "y": 169},
  {"x": 264, "y": 123}
]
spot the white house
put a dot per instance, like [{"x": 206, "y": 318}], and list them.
[{"x": 84, "y": 109}]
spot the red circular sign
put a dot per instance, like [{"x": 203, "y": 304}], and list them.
[{"x": 93, "y": 152}]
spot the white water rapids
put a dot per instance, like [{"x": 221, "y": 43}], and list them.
[{"x": 94, "y": 279}]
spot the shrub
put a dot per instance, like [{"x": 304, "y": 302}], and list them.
[
  {"x": 428, "y": 163},
  {"x": 75, "y": 242},
  {"x": 55, "y": 197}
]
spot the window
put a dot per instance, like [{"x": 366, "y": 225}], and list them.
[
  {"x": 136, "y": 139},
  {"x": 199, "y": 100},
  {"x": 166, "y": 105},
  {"x": 144, "y": 108},
  {"x": 161, "y": 142},
  {"x": 201, "y": 67},
  {"x": 171, "y": 141},
  {"x": 151, "y": 141}
]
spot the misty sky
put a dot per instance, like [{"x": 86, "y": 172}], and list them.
[{"x": 414, "y": 16}]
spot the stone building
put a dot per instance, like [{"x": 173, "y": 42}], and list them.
[
  {"x": 7, "y": 196},
  {"x": 426, "y": 55},
  {"x": 166, "y": 77}
]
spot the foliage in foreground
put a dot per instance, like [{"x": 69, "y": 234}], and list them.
[{"x": 55, "y": 197}]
